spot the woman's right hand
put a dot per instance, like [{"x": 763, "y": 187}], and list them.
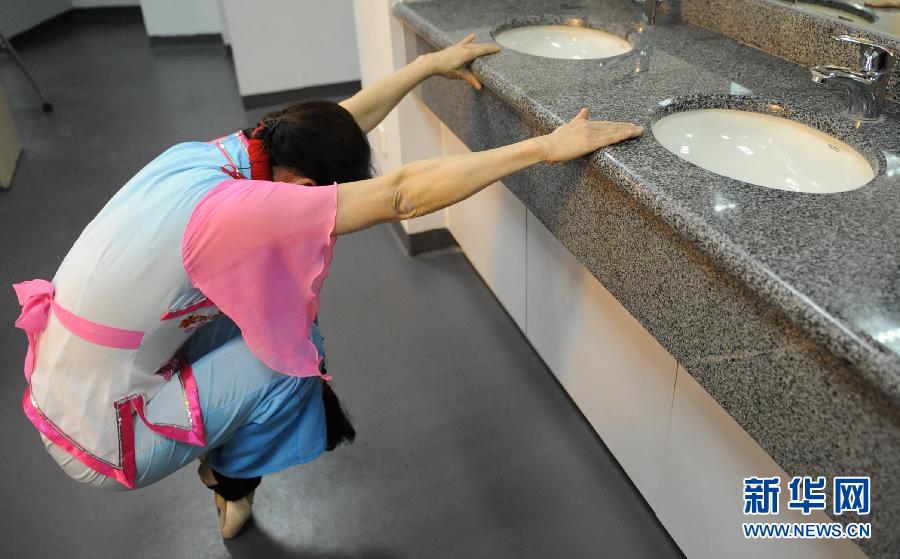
[
  {"x": 580, "y": 136},
  {"x": 421, "y": 187}
]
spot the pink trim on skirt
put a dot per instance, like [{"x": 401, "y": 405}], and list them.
[
  {"x": 124, "y": 472},
  {"x": 36, "y": 298},
  {"x": 192, "y": 434}
]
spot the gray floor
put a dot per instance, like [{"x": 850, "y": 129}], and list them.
[{"x": 467, "y": 446}]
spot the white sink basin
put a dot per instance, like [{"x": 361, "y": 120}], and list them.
[
  {"x": 563, "y": 41},
  {"x": 849, "y": 12},
  {"x": 763, "y": 150}
]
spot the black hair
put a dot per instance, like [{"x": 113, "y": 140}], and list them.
[{"x": 317, "y": 139}]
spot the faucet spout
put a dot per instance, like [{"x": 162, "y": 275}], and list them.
[
  {"x": 863, "y": 102},
  {"x": 865, "y": 86},
  {"x": 838, "y": 74}
]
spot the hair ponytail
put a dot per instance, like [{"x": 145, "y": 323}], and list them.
[{"x": 317, "y": 139}]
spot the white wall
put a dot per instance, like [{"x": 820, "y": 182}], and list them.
[
  {"x": 21, "y": 15},
  {"x": 166, "y": 18},
  {"x": 226, "y": 38},
  {"x": 382, "y": 49},
  {"x": 373, "y": 39},
  {"x": 279, "y": 45},
  {"x": 376, "y": 60}
]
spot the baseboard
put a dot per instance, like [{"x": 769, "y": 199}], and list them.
[
  {"x": 204, "y": 39},
  {"x": 116, "y": 13},
  {"x": 425, "y": 241},
  {"x": 330, "y": 90}
]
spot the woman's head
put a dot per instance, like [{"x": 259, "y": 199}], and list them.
[{"x": 318, "y": 140}]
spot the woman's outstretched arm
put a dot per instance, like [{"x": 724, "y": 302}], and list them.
[
  {"x": 426, "y": 186},
  {"x": 370, "y": 105}
]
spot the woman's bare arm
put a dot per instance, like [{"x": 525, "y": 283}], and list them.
[
  {"x": 426, "y": 186},
  {"x": 370, "y": 105}
]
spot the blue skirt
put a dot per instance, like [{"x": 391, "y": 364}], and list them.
[{"x": 257, "y": 421}]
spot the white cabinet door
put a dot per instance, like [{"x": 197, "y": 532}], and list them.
[
  {"x": 490, "y": 229},
  {"x": 708, "y": 455},
  {"x": 616, "y": 372}
]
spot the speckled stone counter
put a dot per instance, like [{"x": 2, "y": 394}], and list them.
[{"x": 784, "y": 306}]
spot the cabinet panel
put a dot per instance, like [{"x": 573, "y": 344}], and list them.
[
  {"x": 411, "y": 131},
  {"x": 616, "y": 372},
  {"x": 421, "y": 138},
  {"x": 701, "y": 498},
  {"x": 490, "y": 229}
]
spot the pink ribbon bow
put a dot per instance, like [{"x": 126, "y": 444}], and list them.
[{"x": 35, "y": 296}]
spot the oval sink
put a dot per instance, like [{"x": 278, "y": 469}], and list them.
[
  {"x": 563, "y": 41},
  {"x": 763, "y": 150}
]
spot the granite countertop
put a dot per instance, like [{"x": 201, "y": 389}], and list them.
[{"x": 830, "y": 263}]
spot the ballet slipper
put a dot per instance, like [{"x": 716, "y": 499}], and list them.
[{"x": 233, "y": 514}]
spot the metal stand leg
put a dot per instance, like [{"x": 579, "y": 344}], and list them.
[{"x": 4, "y": 43}]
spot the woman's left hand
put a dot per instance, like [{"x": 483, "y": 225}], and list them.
[{"x": 451, "y": 62}]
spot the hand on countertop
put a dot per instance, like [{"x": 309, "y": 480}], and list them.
[
  {"x": 451, "y": 62},
  {"x": 580, "y": 136},
  {"x": 883, "y": 3}
]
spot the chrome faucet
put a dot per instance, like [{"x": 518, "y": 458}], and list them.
[
  {"x": 648, "y": 7},
  {"x": 865, "y": 85}
]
